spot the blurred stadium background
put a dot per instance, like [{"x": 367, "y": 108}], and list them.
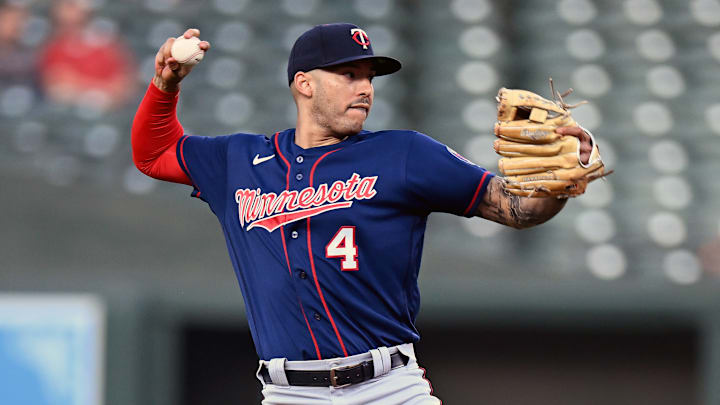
[{"x": 615, "y": 301}]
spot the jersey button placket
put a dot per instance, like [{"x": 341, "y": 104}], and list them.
[{"x": 295, "y": 233}]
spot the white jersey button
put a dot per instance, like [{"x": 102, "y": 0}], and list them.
[
  {"x": 299, "y": 176},
  {"x": 294, "y": 234},
  {"x": 299, "y": 159}
]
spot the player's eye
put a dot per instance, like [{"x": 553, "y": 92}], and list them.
[{"x": 350, "y": 75}]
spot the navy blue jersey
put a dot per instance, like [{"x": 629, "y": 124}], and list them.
[{"x": 326, "y": 242}]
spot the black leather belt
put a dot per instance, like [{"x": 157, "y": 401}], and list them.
[{"x": 336, "y": 377}]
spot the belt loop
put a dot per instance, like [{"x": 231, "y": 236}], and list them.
[
  {"x": 276, "y": 369},
  {"x": 381, "y": 360},
  {"x": 386, "y": 361},
  {"x": 377, "y": 362}
]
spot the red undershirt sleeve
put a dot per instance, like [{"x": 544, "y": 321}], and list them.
[{"x": 155, "y": 134}]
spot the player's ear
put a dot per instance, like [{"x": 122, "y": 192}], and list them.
[{"x": 302, "y": 83}]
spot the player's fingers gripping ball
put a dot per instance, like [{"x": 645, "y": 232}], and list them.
[
  {"x": 187, "y": 51},
  {"x": 538, "y": 161}
]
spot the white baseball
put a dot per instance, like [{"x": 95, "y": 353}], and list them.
[{"x": 186, "y": 50}]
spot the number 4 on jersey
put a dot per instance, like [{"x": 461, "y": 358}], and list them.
[{"x": 343, "y": 245}]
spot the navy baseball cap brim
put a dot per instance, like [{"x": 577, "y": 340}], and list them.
[
  {"x": 383, "y": 65},
  {"x": 330, "y": 45}
]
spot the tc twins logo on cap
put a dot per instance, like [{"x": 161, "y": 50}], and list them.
[
  {"x": 328, "y": 45},
  {"x": 360, "y": 37}
]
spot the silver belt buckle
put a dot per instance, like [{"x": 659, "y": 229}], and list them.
[{"x": 333, "y": 377}]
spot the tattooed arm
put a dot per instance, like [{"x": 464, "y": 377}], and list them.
[
  {"x": 518, "y": 212},
  {"x": 522, "y": 212}
]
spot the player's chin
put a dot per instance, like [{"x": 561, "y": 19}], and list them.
[
  {"x": 348, "y": 129},
  {"x": 351, "y": 126},
  {"x": 357, "y": 127}
]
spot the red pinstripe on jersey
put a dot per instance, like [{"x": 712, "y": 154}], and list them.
[
  {"x": 312, "y": 335},
  {"x": 182, "y": 156},
  {"x": 477, "y": 191},
  {"x": 287, "y": 259},
  {"x": 312, "y": 263}
]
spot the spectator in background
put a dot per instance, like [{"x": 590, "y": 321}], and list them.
[
  {"x": 81, "y": 65},
  {"x": 17, "y": 62}
]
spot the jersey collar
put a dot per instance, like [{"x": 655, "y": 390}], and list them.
[{"x": 286, "y": 142}]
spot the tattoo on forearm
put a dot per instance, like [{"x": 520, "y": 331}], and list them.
[{"x": 516, "y": 211}]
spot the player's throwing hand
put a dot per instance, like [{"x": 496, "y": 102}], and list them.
[{"x": 168, "y": 72}]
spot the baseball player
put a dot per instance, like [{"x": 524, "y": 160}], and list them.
[{"x": 324, "y": 222}]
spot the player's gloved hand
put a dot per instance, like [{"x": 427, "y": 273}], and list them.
[
  {"x": 546, "y": 154},
  {"x": 168, "y": 72}
]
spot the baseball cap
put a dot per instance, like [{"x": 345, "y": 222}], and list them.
[{"x": 333, "y": 44}]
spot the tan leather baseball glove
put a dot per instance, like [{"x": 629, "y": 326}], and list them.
[{"x": 537, "y": 161}]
